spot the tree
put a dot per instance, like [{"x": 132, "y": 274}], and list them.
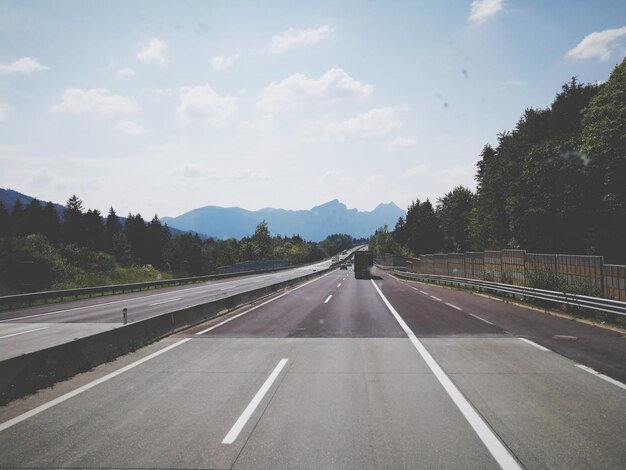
[
  {"x": 157, "y": 237},
  {"x": 604, "y": 143},
  {"x": 5, "y": 222},
  {"x": 382, "y": 243},
  {"x": 112, "y": 227},
  {"x": 135, "y": 231},
  {"x": 93, "y": 230},
  {"x": 17, "y": 218},
  {"x": 72, "y": 229},
  {"x": 32, "y": 221},
  {"x": 51, "y": 225},
  {"x": 454, "y": 212},
  {"x": 261, "y": 242}
]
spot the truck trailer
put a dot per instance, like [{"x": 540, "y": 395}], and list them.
[{"x": 363, "y": 262}]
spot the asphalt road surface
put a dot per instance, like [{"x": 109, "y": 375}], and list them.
[
  {"x": 341, "y": 373},
  {"x": 32, "y": 329}
]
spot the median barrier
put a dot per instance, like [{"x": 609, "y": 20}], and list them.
[{"x": 27, "y": 373}]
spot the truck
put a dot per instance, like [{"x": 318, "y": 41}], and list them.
[{"x": 363, "y": 262}]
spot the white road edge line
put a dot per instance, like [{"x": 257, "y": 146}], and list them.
[
  {"x": 436, "y": 298},
  {"x": 164, "y": 302},
  {"x": 260, "y": 305},
  {"x": 328, "y": 298},
  {"x": 602, "y": 376},
  {"x": 481, "y": 319},
  {"x": 84, "y": 388},
  {"x": 453, "y": 306},
  {"x": 497, "y": 449},
  {"x": 24, "y": 332},
  {"x": 245, "y": 416},
  {"x": 538, "y": 346}
]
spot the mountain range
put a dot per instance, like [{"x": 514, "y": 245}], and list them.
[
  {"x": 225, "y": 222},
  {"x": 314, "y": 224}
]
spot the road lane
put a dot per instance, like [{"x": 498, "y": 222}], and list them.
[
  {"x": 602, "y": 349},
  {"x": 66, "y": 322},
  {"x": 354, "y": 393},
  {"x": 539, "y": 403}
]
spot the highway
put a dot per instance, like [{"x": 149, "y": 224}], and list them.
[
  {"x": 26, "y": 330},
  {"x": 345, "y": 374}
]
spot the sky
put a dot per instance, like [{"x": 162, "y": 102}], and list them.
[{"x": 162, "y": 107}]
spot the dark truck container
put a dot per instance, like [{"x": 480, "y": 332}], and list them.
[{"x": 363, "y": 262}]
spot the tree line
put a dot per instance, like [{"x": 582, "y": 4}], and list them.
[
  {"x": 554, "y": 184},
  {"x": 39, "y": 249}
]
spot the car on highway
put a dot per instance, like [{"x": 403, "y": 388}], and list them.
[{"x": 343, "y": 266}]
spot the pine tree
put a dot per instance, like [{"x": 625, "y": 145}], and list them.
[{"x": 72, "y": 229}]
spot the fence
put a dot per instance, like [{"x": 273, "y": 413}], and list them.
[
  {"x": 247, "y": 266},
  {"x": 576, "y": 274}
]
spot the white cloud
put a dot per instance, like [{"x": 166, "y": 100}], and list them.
[
  {"x": 597, "y": 45},
  {"x": 25, "y": 65},
  {"x": 4, "y": 111},
  {"x": 295, "y": 37},
  {"x": 293, "y": 90},
  {"x": 415, "y": 170},
  {"x": 153, "y": 52},
  {"x": 99, "y": 101},
  {"x": 264, "y": 123},
  {"x": 483, "y": 9},
  {"x": 203, "y": 103},
  {"x": 221, "y": 63},
  {"x": 125, "y": 72},
  {"x": 375, "y": 179},
  {"x": 375, "y": 122},
  {"x": 130, "y": 128},
  {"x": 400, "y": 143}
]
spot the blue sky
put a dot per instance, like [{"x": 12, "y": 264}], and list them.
[{"x": 162, "y": 107}]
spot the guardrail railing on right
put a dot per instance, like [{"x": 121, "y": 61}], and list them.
[{"x": 616, "y": 307}]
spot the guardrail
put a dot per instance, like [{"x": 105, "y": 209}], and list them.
[
  {"x": 9, "y": 301},
  {"x": 27, "y": 373},
  {"x": 563, "y": 298}
]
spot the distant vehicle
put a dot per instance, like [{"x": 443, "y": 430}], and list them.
[
  {"x": 363, "y": 262},
  {"x": 344, "y": 252},
  {"x": 343, "y": 266},
  {"x": 333, "y": 259}
]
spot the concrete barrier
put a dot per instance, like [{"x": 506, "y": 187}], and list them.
[{"x": 25, "y": 374}]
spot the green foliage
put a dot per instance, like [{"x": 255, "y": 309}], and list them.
[
  {"x": 604, "y": 141},
  {"x": 454, "y": 212},
  {"x": 382, "y": 242},
  {"x": 336, "y": 243},
  {"x": 420, "y": 231}
]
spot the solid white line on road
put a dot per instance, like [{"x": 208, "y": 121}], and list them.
[
  {"x": 84, "y": 388},
  {"x": 533, "y": 344},
  {"x": 164, "y": 302},
  {"x": 245, "y": 416},
  {"x": 260, "y": 305},
  {"x": 339, "y": 285},
  {"x": 328, "y": 298},
  {"x": 24, "y": 332},
  {"x": 602, "y": 376},
  {"x": 481, "y": 319},
  {"x": 497, "y": 449},
  {"x": 436, "y": 298},
  {"x": 453, "y": 306}
]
